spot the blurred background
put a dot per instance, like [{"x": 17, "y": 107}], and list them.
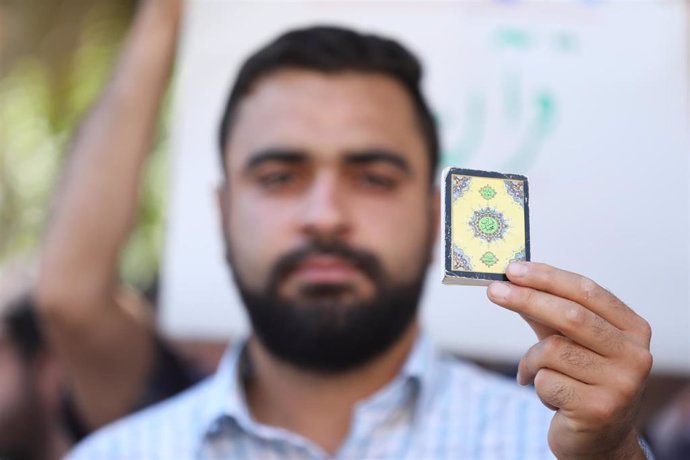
[
  {"x": 589, "y": 99},
  {"x": 56, "y": 55}
]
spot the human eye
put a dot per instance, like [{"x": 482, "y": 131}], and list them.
[
  {"x": 375, "y": 180},
  {"x": 272, "y": 180},
  {"x": 280, "y": 177}
]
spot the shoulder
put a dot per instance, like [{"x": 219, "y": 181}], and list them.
[{"x": 148, "y": 434}]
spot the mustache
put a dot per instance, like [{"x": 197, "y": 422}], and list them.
[{"x": 365, "y": 261}]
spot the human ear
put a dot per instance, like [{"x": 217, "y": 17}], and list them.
[{"x": 222, "y": 204}]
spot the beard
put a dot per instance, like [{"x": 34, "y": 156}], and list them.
[{"x": 325, "y": 328}]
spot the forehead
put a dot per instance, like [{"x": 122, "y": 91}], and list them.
[{"x": 326, "y": 115}]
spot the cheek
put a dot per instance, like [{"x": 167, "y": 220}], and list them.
[
  {"x": 399, "y": 233},
  {"x": 259, "y": 233}
]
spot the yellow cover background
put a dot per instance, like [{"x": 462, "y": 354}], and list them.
[{"x": 462, "y": 234}]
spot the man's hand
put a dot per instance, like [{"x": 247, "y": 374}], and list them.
[{"x": 590, "y": 364}]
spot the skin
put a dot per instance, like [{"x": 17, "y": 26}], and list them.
[
  {"x": 99, "y": 331},
  {"x": 591, "y": 361},
  {"x": 592, "y": 358},
  {"x": 357, "y": 172}
]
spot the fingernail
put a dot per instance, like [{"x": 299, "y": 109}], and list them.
[
  {"x": 499, "y": 290},
  {"x": 517, "y": 269},
  {"x": 519, "y": 377}
]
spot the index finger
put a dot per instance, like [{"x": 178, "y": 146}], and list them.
[
  {"x": 566, "y": 317},
  {"x": 576, "y": 288}
]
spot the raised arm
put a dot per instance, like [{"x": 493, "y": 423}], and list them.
[{"x": 108, "y": 351}]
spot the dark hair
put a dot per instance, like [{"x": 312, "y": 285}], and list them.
[
  {"x": 23, "y": 327},
  {"x": 330, "y": 50}
]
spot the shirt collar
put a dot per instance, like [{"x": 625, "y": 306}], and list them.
[
  {"x": 421, "y": 368},
  {"x": 226, "y": 400}
]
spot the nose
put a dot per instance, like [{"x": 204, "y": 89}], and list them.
[{"x": 324, "y": 214}]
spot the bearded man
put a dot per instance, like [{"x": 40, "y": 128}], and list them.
[{"x": 329, "y": 211}]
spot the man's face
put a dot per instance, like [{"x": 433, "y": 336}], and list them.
[
  {"x": 21, "y": 427},
  {"x": 328, "y": 210}
]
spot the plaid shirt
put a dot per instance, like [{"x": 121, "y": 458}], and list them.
[{"x": 437, "y": 408}]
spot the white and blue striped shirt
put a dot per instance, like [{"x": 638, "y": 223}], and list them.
[{"x": 436, "y": 408}]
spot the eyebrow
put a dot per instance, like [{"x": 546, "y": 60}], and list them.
[
  {"x": 275, "y": 154},
  {"x": 372, "y": 156},
  {"x": 360, "y": 157}
]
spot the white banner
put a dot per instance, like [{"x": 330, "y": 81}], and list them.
[{"x": 589, "y": 99}]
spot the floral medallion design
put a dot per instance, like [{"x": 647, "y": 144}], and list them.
[
  {"x": 488, "y": 224},
  {"x": 487, "y": 192},
  {"x": 516, "y": 189},
  {"x": 519, "y": 255},
  {"x": 461, "y": 261},
  {"x": 489, "y": 259},
  {"x": 460, "y": 185}
]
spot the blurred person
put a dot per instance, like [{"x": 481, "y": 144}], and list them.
[
  {"x": 145, "y": 375},
  {"x": 114, "y": 361},
  {"x": 329, "y": 214},
  {"x": 31, "y": 382},
  {"x": 38, "y": 415}
]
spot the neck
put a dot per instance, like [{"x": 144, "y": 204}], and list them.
[{"x": 318, "y": 406}]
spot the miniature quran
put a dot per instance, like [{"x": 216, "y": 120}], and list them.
[{"x": 486, "y": 225}]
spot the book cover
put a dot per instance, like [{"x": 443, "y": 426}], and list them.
[{"x": 486, "y": 224}]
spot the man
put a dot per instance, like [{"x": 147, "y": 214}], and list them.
[
  {"x": 329, "y": 213},
  {"x": 30, "y": 381}
]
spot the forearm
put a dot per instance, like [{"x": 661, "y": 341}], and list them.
[{"x": 97, "y": 197}]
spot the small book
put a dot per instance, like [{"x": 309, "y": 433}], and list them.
[{"x": 486, "y": 225}]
